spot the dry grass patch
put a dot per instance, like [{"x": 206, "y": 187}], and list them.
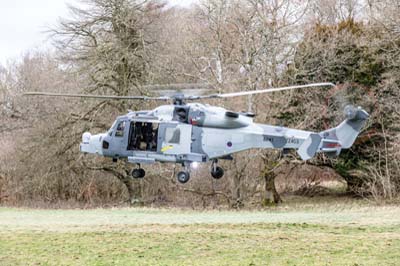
[{"x": 342, "y": 234}]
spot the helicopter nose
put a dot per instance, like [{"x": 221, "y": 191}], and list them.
[
  {"x": 86, "y": 137},
  {"x": 91, "y": 143}
]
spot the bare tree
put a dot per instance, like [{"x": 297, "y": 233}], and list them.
[{"x": 106, "y": 43}]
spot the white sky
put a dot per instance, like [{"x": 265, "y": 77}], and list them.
[{"x": 23, "y": 22}]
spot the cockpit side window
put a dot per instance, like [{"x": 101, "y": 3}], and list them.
[
  {"x": 111, "y": 130},
  {"x": 119, "y": 132}
]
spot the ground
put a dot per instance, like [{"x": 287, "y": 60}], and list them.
[{"x": 344, "y": 233}]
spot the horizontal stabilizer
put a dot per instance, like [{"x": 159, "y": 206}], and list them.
[{"x": 309, "y": 147}]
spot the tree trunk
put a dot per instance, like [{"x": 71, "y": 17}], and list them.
[
  {"x": 271, "y": 196},
  {"x": 134, "y": 188},
  {"x": 236, "y": 193}
]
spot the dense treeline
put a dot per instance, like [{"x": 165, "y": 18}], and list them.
[{"x": 117, "y": 46}]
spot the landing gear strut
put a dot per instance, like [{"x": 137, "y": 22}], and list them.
[
  {"x": 216, "y": 171},
  {"x": 138, "y": 172},
  {"x": 184, "y": 176}
]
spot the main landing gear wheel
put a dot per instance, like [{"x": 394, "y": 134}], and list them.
[
  {"x": 217, "y": 173},
  {"x": 138, "y": 173},
  {"x": 183, "y": 177}
]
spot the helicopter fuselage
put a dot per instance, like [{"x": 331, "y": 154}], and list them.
[{"x": 199, "y": 133}]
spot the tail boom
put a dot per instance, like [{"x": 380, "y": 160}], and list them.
[
  {"x": 217, "y": 143},
  {"x": 332, "y": 141}
]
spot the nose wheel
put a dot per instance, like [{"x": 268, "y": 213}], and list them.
[
  {"x": 138, "y": 173},
  {"x": 216, "y": 171},
  {"x": 184, "y": 176}
]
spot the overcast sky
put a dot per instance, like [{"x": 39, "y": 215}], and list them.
[{"x": 22, "y": 23}]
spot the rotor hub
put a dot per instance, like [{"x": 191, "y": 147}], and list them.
[{"x": 178, "y": 99}]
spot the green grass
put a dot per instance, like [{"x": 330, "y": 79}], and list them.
[{"x": 297, "y": 236}]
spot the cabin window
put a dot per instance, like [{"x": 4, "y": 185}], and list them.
[
  {"x": 173, "y": 135},
  {"x": 120, "y": 129}
]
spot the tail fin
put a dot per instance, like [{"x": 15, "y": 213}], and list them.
[{"x": 344, "y": 135}]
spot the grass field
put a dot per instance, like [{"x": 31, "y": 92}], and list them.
[{"x": 325, "y": 234}]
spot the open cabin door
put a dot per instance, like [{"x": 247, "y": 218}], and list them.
[
  {"x": 143, "y": 136},
  {"x": 174, "y": 139}
]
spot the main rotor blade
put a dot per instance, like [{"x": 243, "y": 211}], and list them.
[
  {"x": 177, "y": 86},
  {"x": 111, "y": 97},
  {"x": 199, "y": 87},
  {"x": 168, "y": 91},
  {"x": 244, "y": 93}
]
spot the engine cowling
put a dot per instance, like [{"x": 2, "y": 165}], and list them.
[{"x": 218, "y": 117}]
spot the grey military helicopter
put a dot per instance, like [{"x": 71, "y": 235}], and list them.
[{"x": 192, "y": 133}]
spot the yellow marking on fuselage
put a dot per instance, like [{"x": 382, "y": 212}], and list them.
[{"x": 166, "y": 148}]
